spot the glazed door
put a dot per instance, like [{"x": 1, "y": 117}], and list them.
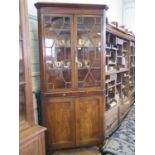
[
  {"x": 89, "y": 51},
  {"x": 59, "y": 118},
  {"x": 26, "y": 118},
  {"x": 72, "y": 52},
  {"x": 89, "y": 120},
  {"x": 57, "y": 52}
]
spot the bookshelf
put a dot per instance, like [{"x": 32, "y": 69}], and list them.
[{"x": 119, "y": 77}]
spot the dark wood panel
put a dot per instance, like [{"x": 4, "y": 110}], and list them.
[
  {"x": 69, "y": 5},
  {"x": 59, "y": 120}
]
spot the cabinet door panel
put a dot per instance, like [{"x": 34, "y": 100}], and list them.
[
  {"x": 58, "y": 51},
  {"x": 89, "y": 51},
  {"x": 59, "y": 120},
  {"x": 89, "y": 120}
]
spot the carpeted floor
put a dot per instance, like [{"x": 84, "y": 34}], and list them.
[{"x": 122, "y": 142}]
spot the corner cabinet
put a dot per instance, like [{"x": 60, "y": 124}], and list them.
[
  {"x": 72, "y": 47},
  {"x": 31, "y": 136}
]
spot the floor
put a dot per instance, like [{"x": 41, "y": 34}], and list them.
[
  {"x": 79, "y": 151},
  {"x": 122, "y": 142}
]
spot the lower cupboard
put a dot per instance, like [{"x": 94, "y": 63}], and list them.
[{"x": 73, "y": 122}]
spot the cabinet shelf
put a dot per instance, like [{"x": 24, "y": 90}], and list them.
[
  {"x": 108, "y": 55},
  {"x": 61, "y": 46},
  {"x": 114, "y": 49},
  {"x": 108, "y": 47},
  {"x": 118, "y": 83},
  {"x": 111, "y": 86},
  {"x": 107, "y": 81},
  {"x": 116, "y": 71},
  {"x": 123, "y": 70},
  {"x": 112, "y": 63},
  {"x": 111, "y": 72},
  {"x": 124, "y": 51},
  {"x": 22, "y": 83},
  {"x": 87, "y": 68},
  {"x": 133, "y": 66},
  {"x": 60, "y": 69}
]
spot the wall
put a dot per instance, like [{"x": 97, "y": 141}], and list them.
[
  {"x": 33, "y": 28},
  {"x": 129, "y": 14},
  {"x": 114, "y": 13}
]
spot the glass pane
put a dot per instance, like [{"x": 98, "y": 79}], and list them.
[
  {"x": 89, "y": 51},
  {"x": 22, "y": 103},
  {"x": 22, "y": 83},
  {"x": 58, "y": 51}
]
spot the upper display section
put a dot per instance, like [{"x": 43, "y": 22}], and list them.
[
  {"x": 71, "y": 38},
  {"x": 64, "y": 57}
]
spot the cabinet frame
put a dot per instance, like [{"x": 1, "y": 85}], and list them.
[
  {"x": 31, "y": 136},
  {"x": 27, "y": 69},
  {"x": 76, "y": 95}
]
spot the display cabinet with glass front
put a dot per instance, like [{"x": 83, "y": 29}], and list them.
[
  {"x": 72, "y": 45},
  {"x": 62, "y": 59},
  {"x": 25, "y": 97},
  {"x": 31, "y": 136}
]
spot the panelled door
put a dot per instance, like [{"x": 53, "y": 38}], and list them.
[
  {"x": 89, "y": 120},
  {"x": 59, "y": 118}
]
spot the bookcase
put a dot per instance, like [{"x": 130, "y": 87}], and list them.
[
  {"x": 120, "y": 76},
  {"x": 31, "y": 136},
  {"x": 71, "y": 47},
  {"x": 86, "y": 74}
]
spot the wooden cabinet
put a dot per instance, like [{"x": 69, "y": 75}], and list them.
[
  {"x": 73, "y": 121},
  {"x": 85, "y": 64},
  {"x": 71, "y": 45},
  {"x": 31, "y": 140}
]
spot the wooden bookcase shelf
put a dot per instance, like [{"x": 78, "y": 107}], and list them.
[{"x": 122, "y": 92}]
